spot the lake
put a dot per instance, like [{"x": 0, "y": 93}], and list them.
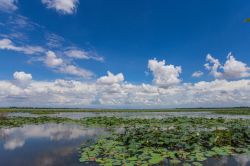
[{"x": 57, "y": 144}]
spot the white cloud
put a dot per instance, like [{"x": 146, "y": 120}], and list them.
[
  {"x": 7, "y": 44},
  {"x": 232, "y": 69},
  {"x": 52, "y": 60},
  {"x": 164, "y": 75},
  {"x": 213, "y": 66},
  {"x": 78, "y": 54},
  {"x": 17, "y": 38},
  {"x": 81, "y": 54},
  {"x": 73, "y": 70},
  {"x": 235, "y": 69},
  {"x": 113, "y": 91},
  {"x": 64, "y": 93},
  {"x": 32, "y": 49},
  {"x": 111, "y": 78},
  {"x": 62, "y": 6},
  {"x": 22, "y": 79},
  {"x": 22, "y": 76},
  {"x": 197, "y": 74},
  {"x": 8, "y": 5}
]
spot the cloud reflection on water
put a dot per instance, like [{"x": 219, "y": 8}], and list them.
[{"x": 16, "y": 137}]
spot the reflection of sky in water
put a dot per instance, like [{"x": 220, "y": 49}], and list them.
[
  {"x": 235, "y": 160},
  {"x": 44, "y": 145},
  {"x": 243, "y": 160},
  {"x": 147, "y": 115},
  {"x": 16, "y": 137},
  {"x": 56, "y": 144}
]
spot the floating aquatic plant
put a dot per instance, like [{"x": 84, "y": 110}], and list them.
[{"x": 174, "y": 141}]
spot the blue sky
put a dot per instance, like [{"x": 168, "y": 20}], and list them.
[{"x": 75, "y": 40}]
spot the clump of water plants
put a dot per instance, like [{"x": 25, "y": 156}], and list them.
[{"x": 171, "y": 141}]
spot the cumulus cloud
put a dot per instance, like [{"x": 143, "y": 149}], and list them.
[
  {"x": 22, "y": 79},
  {"x": 8, "y": 5},
  {"x": 119, "y": 93},
  {"x": 7, "y": 44},
  {"x": 213, "y": 65},
  {"x": 197, "y": 74},
  {"x": 164, "y": 75},
  {"x": 235, "y": 69},
  {"x": 62, "y": 6},
  {"x": 22, "y": 76},
  {"x": 52, "y": 60},
  {"x": 113, "y": 91},
  {"x": 231, "y": 69},
  {"x": 111, "y": 78}
]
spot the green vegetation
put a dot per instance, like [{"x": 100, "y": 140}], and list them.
[
  {"x": 180, "y": 121},
  {"x": 174, "y": 140},
  {"x": 233, "y": 111},
  {"x": 180, "y": 140}
]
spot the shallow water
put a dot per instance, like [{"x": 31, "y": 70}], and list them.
[
  {"x": 144, "y": 115},
  {"x": 237, "y": 160},
  {"x": 44, "y": 145}
]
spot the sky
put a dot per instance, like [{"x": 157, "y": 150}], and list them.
[{"x": 124, "y": 54}]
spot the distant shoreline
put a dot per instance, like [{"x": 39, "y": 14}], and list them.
[{"x": 225, "y": 110}]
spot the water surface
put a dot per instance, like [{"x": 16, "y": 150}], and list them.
[
  {"x": 144, "y": 115},
  {"x": 44, "y": 145}
]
